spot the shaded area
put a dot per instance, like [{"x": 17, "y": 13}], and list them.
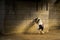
[
  {"x": 2, "y": 14},
  {"x": 57, "y": 1},
  {"x": 11, "y": 37},
  {"x": 58, "y": 27},
  {"x": 55, "y": 27}
]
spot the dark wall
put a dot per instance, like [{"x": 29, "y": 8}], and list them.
[
  {"x": 23, "y": 11},
  {"x": 2, "y": 14}
]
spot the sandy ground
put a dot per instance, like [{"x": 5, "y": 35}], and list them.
[{"x": 52, "y": 35}]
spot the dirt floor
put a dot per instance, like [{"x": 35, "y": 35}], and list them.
[{"x": 52, "y": 35}]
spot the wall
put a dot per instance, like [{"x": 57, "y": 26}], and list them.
[
  {"x": 20, "y": 20},
  {"x": 54, "y": 16},
  {"x": 2, "y": 14}
]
